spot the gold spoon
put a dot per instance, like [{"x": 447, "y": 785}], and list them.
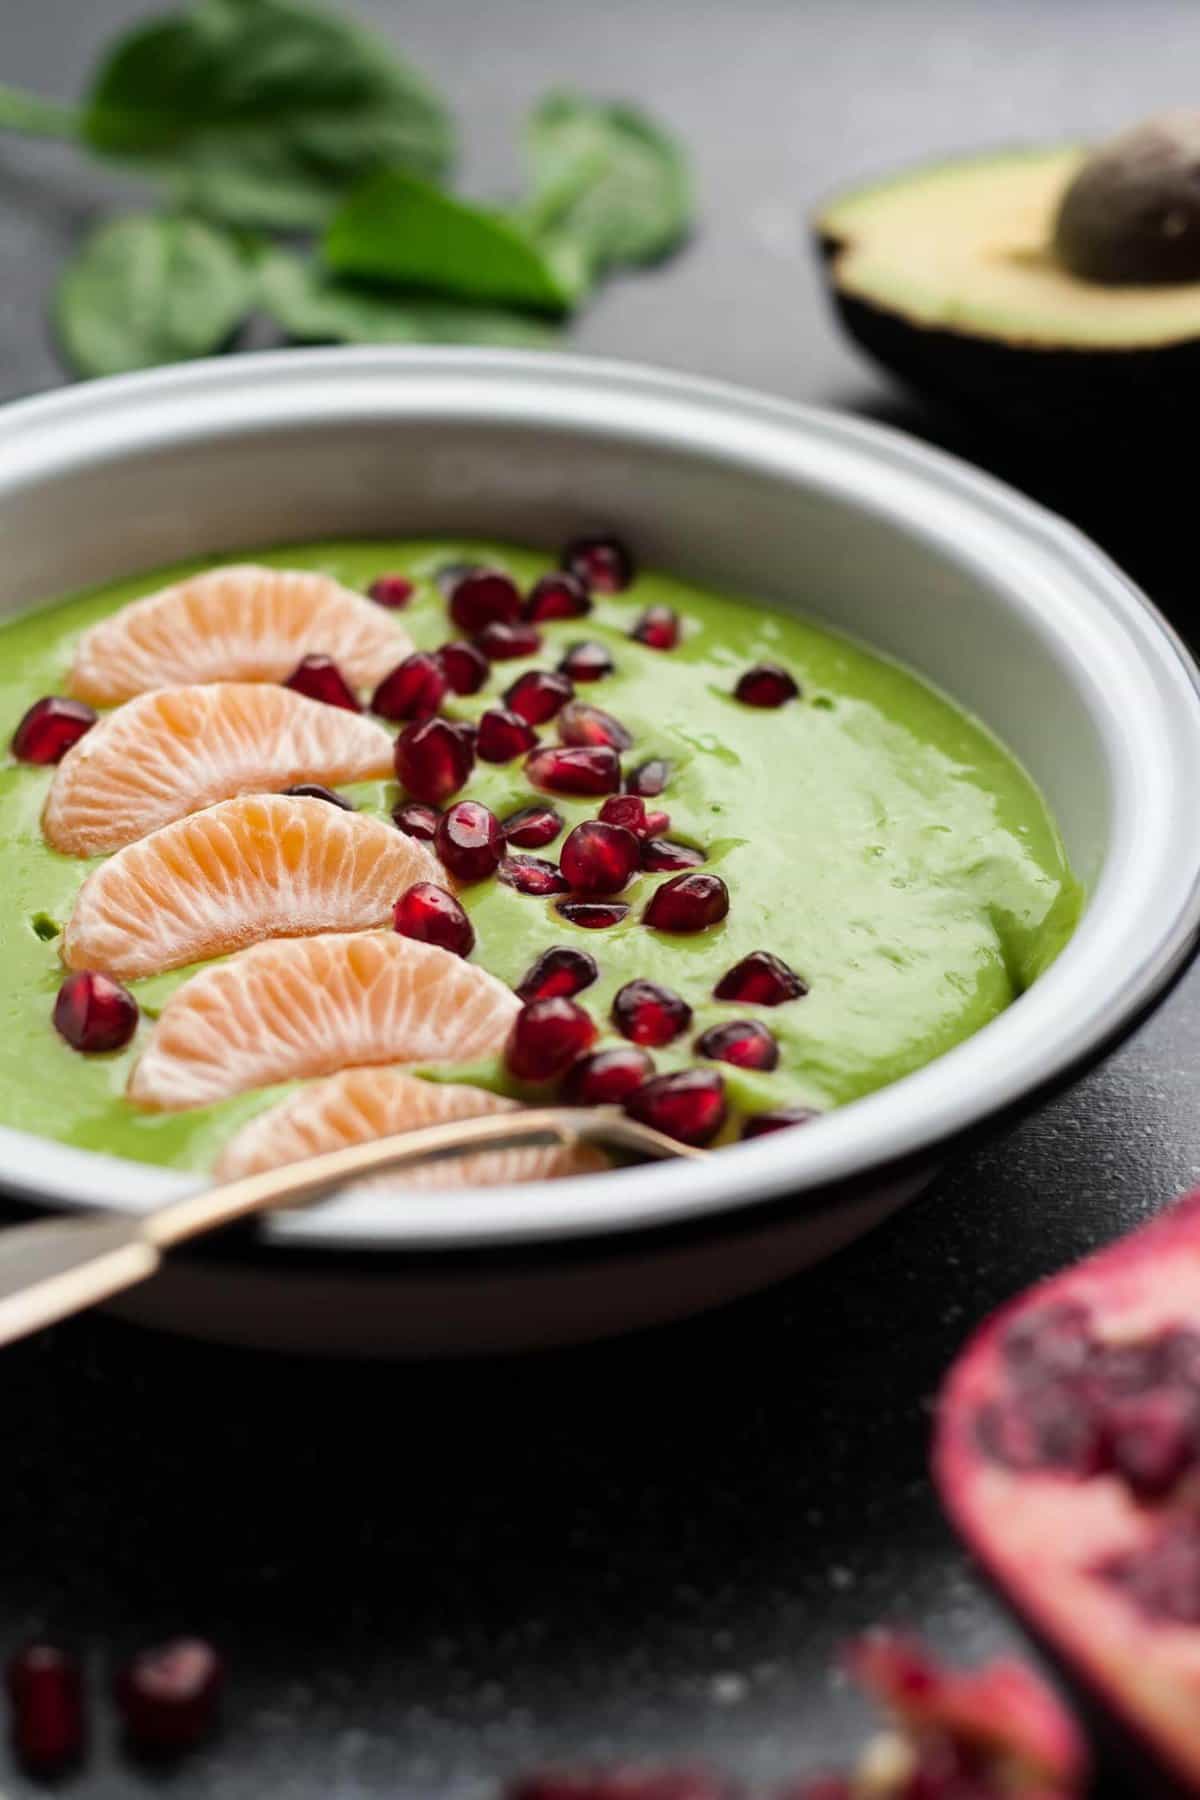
[{"x": 55, "y": 1267}]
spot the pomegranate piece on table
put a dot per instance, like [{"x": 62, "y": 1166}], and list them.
[
  {"x": 94, "y": 1013},
  {"x": 658, "y": 628},
  {"x": 414, "y": 689},
  {"x": 557, "y": 596},
  {"x": 743, "y": 1042},
  {"x": 575, "y": 770},
  {"x": 392, "y": 590},
  {"x": 538, "y": 695},
  {"x": 647, "y": 1013},
  {"x": 465, "y": 668},
  {"x": 319, "y": 678},
  {"x": 417, "y": 820},
  {"x": 607, "y": 1076},
  {"x": 766, "y": 684},
  {"x": 50, "y": 727},
  {"x": 532, "y": 875},
  {"x": 687, "y": 903},
  {"x": 312, "y": 790},
  {"x": 602, "y": 563},
  {"x": 432, "y": 915},
  {"x": 581, "y": 723},
  {"x": 433, "y": 760},
  {"x": 593, "y": 915},
  {"x": 547, "y": 1036},
  {"x": 170, "y": 1696},
  {"x": 533, "y": 827},
  {"x": 598, "y": 858},
  {"x": 760, "y": 979},
  {"x": 48, "y": 1722},
  {"x": 586, "y": 662},
  {"x": 688, "y": 1105},
  {"x": 469, "y": 841},
  {"x": 503, "y": 642},
  {"x": 558, "y": 973},
  {"x": 482, "y": 597},
  {"x": 503, "y": 735}
]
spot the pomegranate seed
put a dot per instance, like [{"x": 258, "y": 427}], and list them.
[
  {"x": 392, "y": 590},
  {"x": 414, "y": 689},
  {"x": 49, "y": 728},
  {"x": 658, "y": 628},
  {"x": 416, "y": 820},
  {"x": 599, "y": 858},
  {"x": 580, "y": 723},
  {"x": 312, "y": 790},
  {"x": 45, "y": 1688},
  {"x": 533, "y": 827},
  {"x": 781, "y": 1119},
  {"x": 688, "y": 1105},
  {"x": 483, "y": 597},
  {"x": 595, "y": 770},
  {"x": 465, "y": 668},
  {"x": 532, "y": 875},
  {"x": 649, "y": 778},
  {"x": 766, "y": 684},
  {"x": 586, "y": 662},
  {"x": 538, "y": 694},
  {"x": 433, "y": 760},
  {"x": 659, "y": 854},
  {"x": 601, "y": 562},
  {"x": 448, "y": 576},
  {"x": 319, "y": 678},
  {"x": 627, "y": 810},
  {"x": 647, "y": 1013},
  {"x": 502, "y": 643},
  {"x": 688, "y": 902},
  {"x": 546, "y": 1038},
  {"x": 94, "y": 1013},
  {"x": 557, "y": 974},
  {"x": 504, "y": 735},
  {"x": 169, "y": 1695},
  {"x": 468, "y": 732},
  {"x": 593, "y": 915},
  {"x": 557, "y": 596},
  {"x": 657, "y": 823},
  {"x": 743, "y": 1042},
  {"x": 430, "y": 914},
  {"x": 605, "y": 1078},
  {"x": 469, "y": 841},
  {"x": 760, "y": 979}
]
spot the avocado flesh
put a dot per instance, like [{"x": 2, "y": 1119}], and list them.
[{"x": 964, "y": 248}]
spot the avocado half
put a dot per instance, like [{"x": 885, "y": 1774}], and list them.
[{"x": 945, "y": 275}]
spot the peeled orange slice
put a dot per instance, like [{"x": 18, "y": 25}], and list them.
[
  {"x": 239, "y": 623},
  {"x": 267, "y": 865},
  {"x": 167, "y": 754},
  {"x": 360, "y": 1104},
  {"x": 308, "y": 1006}
]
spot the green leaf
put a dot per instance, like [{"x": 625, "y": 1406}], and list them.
[
  {"x": 316, "y": 308},
  {"x": 264, "y": 112},
  {"x": 150, "y": 289},
  {"x": 607, "y": 181},
  {"x": 398, "y": 229}
]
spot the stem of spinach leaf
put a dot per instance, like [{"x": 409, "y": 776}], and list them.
[{"x": 36, "y": 117}]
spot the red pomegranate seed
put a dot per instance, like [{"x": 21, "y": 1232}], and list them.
[
  {"x": 319, "y": 678},
  {"x": 688, "y": 1105},
  {"x": 45, "y": 1689},
  {"x": 49, "y": 728},
  {"x": 657, "y": 823},
  {"x": 760, "y": 979},
  {"x": 658, "y": 628},
  {"x": 503, "y": 643},
  {"x": 169, "y": 1696},
  {"x": 465, "y": 668},
  {"x": 469, "y": 841},
  {"x": 627, "y": 810},
  {"x": 607, "y": 1076},
  {"x": 538, "y": 694},
  {"x": 580, "y": 723},
  {"x": 312, "y": 790},
  {"x": 414, "y": 689},
  {"x": 596, "y": 770},
  {"x": 690, "y": 902},
  {"x": 599, "y": 858},
  {"x": 586, "y": 662},
  {"x": 532, "y": 875},
  {"x": 482, "y": 597},
  {"x": 392, "y": 590},
  {"x": 504, "y": 735},
  {"x": 743, "y": 1042},
  {"x": 416, "y": 820},
  {"x": 430, "y": 914},
  {"x": 779, "y": 1119},
  {"x": 659, "y": 854},
  {"x": 557, "y": 596},
  {"x": 593, "y": 915},
  {"x": 94, "y": 1013},
  {"x": 557, "y": 974},
  {"x": 433, "y": 760},
  {"x": 649, "y": 778},
  {"x": 647, "y": 1013},
  {"x": 766, "y": 684},
  {"x": 448, "y": 575},
  {"x": 533, "y": 827},
  {"x": 546, "y": 1038},
  {"x": 600, "y": 561}
]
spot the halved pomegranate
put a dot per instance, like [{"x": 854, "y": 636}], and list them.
[
  {"x": 580, "y": 723},
  {"x": 546, "y": 1038},
  {"x": 557, "y": 596},
  {"x": 481, "y": 597},
  {"x": 414, "y": 689},
  {"x": 433, "y": 760},
  {"x": 586, "y": 662},
  {"x": 50, "y": 727},
  {"x": 602, "y": 562},
  {"x": 565, "y": 770},
  {"x": 557, "y": 974}
]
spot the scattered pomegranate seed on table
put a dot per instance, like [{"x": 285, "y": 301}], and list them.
[
  {"x": 627, "y": 810},
  {"x": 557, "y": 596},
  {"x": 319, "y": 678},
  {"x": 465, "y": 668},
  {"x": 501, "y": 642},
  {"x": 469, "y": 840},
  {"x": 659, "y": 855},
  {"x": 586, "y": 662},
  {"x": 94, "y": 1013},
  {"x": 781, "y": 1118},
  {"x": 685, "y": 903},
  {"x": 532, "y": 875},
  {"x": 45, "y": 1690},
  {"x": 607, "y": 1076},
  {"x": 483, "y": 597},
  {"x": 601, "y": 562},
  {"x": 433, "y": 760},
  {"x": 558, "y": 973},
  {"x": 392, "y": 590},
  {"x": 743, "y": 1042},
  {"x": 580, "y": 723},
  {"x": 598, "y": 858},
  {"x": 648, "y": 1013},
  {"x": 416, "y": 820},
  {"x": 574, "y": 770},
  {"x": 533, "y": 827},
  {"x": 538, "y": 695},
  {"x": 688, "y": 1105},
  {"x": 50, "y": 727},
  {"x": 760, "y": 979},
  {"x": 658, "y": 628},
  {"x": 414, "y": 689},
  {"x": 312, "y": 790},
  {"x": 504, "y": 735},
  {"x": 766, "y": 684},
  {"x": 169, "y": 1696},
  {"x": 546, "y": 1038},
  {"x": 593, "y": 915},
  {"x": 649, "y": 778},
  {"x": 432, "y": 915}
]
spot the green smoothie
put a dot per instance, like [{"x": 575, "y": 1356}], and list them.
[{"x": 871, "y": 834}]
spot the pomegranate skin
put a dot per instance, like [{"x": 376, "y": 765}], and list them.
[
  {"x": 482, "y": 597},
  {"x": 319, "y": 678},
  {"x": 94, "y": 1013},
  {"x": 547, "y": 1036},
  {"x": 48, "y": 1720},
  {"x": 688, "y": 1105},
  {"x": 586, "y": 662},
  {"x": 687, "y": 903},
  {"x": 169, "y": 1696},
  {"x": 433, "y": 760},
  {"x": 432, "y": 915},
  {"x": 49, "y": 728},
  {"x": 391, "y": 590},
  {"x": 558, "y": 974}
]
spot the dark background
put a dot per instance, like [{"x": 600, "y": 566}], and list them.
[{"x": 428, "y": 1577}]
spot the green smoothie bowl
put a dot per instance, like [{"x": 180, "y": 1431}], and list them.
[{"x": 813, "y": 797}]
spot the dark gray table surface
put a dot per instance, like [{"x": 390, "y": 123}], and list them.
[{"x": 427, "y": 1577}]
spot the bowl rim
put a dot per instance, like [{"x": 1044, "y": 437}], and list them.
[{"x": 1087, "y": 612}]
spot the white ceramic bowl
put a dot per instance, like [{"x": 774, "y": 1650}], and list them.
[{"x": 1012, "y": 612}]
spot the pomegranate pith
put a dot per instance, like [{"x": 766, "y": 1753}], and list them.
[
  {"x": 50, "y": 727},
  {"x": 743, "y": 1042},
  {"x": 503, "y": 735},
  {"x": 312, "y": 790},
  {"x": 647, "y": 1013},
  {"x": 392, "y": 590},
  {"x": 593, "y": 915},
  {"x": 481, "y": 597},
  {"x": 760, "y": 979},
  {"x": 586, "y": 662},
  {"x": 501, "y": 642},
  {"x": 687, "y": 903},
  {"x": 581, "y": 723},
  {"x": 414, "y": 689},
  {"x": 658, "y": 628},
  {"x": 319, "y": 678},
  {"x": 766, "y": 684},
  {"x": 546, "y": 1038},
  {"x": 94, "y": 1013},
  {"x": 469, "y": 840},
  {"x": 660, "y": 854},
  {"x": 557, "y": 596},
  {"x": 170, "y": 1696},
  {"x": 649, "y": 778},
  {"x": 558, "y": 973},
  {"x": 607, "y": 1076},
  {"x": 600, "y": 561},
  {"x": 532, "y": 875},
  {"x": 416, "y": 820},
  {"x": 570, "y": 770},
  {"x": 45, "y": 1691},
  {"x": 538, "y": 695},
  {"x": 533, "y": 827},
  {"x": 432, "y": 915},
  {"x": 688, "y": 1105},
  {"x": 781, "y": 1118},
  {"x": 433, "y": 760},
  {"x": 465, "y": 668},
  {"x": 598, "y": 858}
]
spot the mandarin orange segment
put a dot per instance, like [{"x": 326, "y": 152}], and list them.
[
  {"x": 238, "y": 623},
  {"x": 266, "y": 865},
  {"x": 361, "y": 1104},
  {"x": 296, "y": 1007},
  {"x": 167, "y": 754}
]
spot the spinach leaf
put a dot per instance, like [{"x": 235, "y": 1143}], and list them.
[
  {"x": 149, "y": 289},
  {"x": 607, "y": 181},
  {"x": 314, "y": 307},
  {"x": 396, "y": 228},
  {"x": 264, "y": 112}
]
